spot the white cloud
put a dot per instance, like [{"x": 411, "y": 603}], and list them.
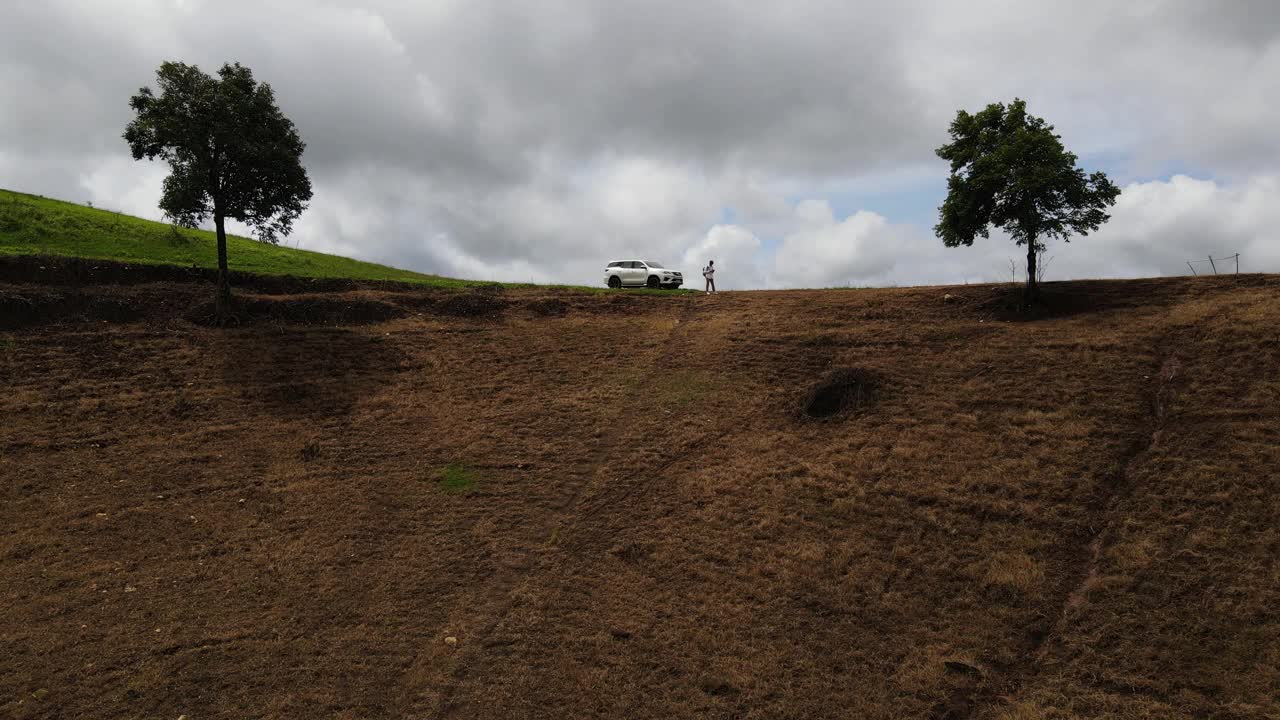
[
  {"x": 857, "y": 249},
  {"x": 737, "y": 253},
  {"x": 101, "y": 187},
  {"x": 515, "y": 141},
  {"x": 1156, "y": 227}
]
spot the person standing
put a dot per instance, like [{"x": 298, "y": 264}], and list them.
[{"x": 709, "y": 272}]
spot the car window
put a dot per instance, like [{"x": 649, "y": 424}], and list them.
[
  {"x": 635, "y": 264},
  {"x": 614, "y": 264},
  {"x": 654, "y": 265}
]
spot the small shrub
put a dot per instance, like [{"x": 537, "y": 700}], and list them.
[
  {"x": 182, "y": 407},
  {"x": 176, "y": 237},
  {"x": 456, "y": 477}
]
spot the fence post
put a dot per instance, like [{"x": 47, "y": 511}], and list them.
[
  {"x": 1193, "y": 270},
  {"x": 1215, "y": 267}
]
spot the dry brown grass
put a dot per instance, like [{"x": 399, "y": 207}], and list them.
[{"x": 1072, "y": 517}]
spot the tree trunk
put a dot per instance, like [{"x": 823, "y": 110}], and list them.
[
  {"x": 1032, "y": 292},
  {"x": 222, "y": 305}
]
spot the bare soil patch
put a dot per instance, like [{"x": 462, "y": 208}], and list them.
[
  {"x": 389, "y": 503},
  {"x": 840, "y": 392}
]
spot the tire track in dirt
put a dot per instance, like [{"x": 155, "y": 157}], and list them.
[
  {"x": 1119, "y": 489},
  {"x": 1076, "y": 598},
  {"x": 500, "y": 597},
  {"x": 1043, "y": 640}
]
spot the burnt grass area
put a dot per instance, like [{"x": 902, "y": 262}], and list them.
[
  {"x": 841, "y": 392},
  {"x": 895, "y": 503}
]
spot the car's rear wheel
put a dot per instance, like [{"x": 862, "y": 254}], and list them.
[
  {"x": 654, "y": 282},
  {"x": 615, "y": 282}
]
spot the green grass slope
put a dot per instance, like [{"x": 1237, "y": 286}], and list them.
[{"x": 31, "y": 225}]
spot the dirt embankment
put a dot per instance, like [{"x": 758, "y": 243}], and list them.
[
  {"x": 386, "y": 502},
  {"x": 48, "y": 290}
]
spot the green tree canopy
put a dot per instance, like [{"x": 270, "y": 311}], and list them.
[
  {"x": 1009, "y": 170},
  {"x": 232, "y": 152}
]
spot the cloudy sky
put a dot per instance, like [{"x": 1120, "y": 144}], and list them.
[{"x": 792, "y": 142}]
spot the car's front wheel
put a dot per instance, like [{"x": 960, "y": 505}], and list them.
[
  {"x": 615, "y": 282},
  {"x": 654, "y": 282}
]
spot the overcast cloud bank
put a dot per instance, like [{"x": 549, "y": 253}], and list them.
[{"x": 792, "y": 143}]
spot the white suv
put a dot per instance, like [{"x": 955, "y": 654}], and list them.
[{"x": 638, "y": 273}]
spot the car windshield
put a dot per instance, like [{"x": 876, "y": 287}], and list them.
[{"x": 653, "y": 264}]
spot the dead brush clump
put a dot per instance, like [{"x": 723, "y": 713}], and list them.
[
  {"x": 39, "y": 307},
  {"x": 841, "y": 392},
  {"x": 549, "y": 307},
  {"x": 480, "y": 303},
  {"x": 17, "y": 311},
  {"x": 182, "y": 407},
  {"x": 326, "y": 311},
  {"x": 305, "y": 310}
]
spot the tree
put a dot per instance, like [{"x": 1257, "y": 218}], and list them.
[
  {"x": 1009, "y": 170},
  {"x": 232, "y": 152}
]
